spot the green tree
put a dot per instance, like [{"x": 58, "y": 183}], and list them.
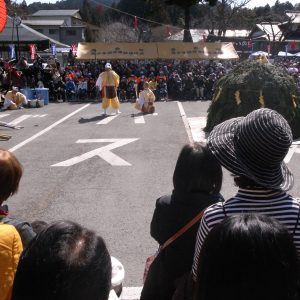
[
  {"x": 186, "y": 6},
  {"x": 224, "y": 13}
]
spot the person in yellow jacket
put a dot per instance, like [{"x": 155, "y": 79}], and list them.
[
  {"x": 108, "y": 82},
  {"x": 145, "y": 102},
  {"x": 10, "y": 251},
  {"x": 14, "y": 99}
]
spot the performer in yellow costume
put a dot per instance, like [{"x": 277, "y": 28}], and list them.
[
  {"x": 145, "y": 102},
  {"x": 108, "y": 82},
  {"x": 14, "y": 99}
]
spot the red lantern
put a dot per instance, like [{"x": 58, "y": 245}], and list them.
[{"x": 3, "y": 15}]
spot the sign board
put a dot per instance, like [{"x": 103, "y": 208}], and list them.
[{"x": 167, "y": 50}]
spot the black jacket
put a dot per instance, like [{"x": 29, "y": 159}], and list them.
[{"x": 172, "y": 212}]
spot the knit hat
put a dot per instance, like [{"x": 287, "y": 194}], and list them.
[{"x": 255, "y": 146}]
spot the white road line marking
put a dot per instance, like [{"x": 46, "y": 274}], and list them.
[
  {"x": 47, "y": 129},
  {"x": 103, "y": 152},
  {"x": 107, "y": 120},
  {"x": 139, "y": 120},
  {"x": 197, "y": 125},
  {"x": 4, "y": 115},
  {"x": 131, "y": 293},
  {"x": 290, "y": 154},
  {"x": 19, "y": 120},
  {"x": 39, "y": 116},
  {"x": 185, "y": 122}
]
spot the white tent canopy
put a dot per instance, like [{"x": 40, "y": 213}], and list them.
[
  {"x": 285, "y": 54},
  {"x": 258, "y": 53}
]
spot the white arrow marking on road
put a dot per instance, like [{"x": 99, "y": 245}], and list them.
[
  {"x": 107, "y": 120},
  {"x": 3, "y": 115},
  {"x": 103, "y": 152},
  {"x": 139, "y": 120},
  {"x": 19, "y": 120}
]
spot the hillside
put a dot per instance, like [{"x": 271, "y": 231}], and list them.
[{"x": 65, "y": 4}]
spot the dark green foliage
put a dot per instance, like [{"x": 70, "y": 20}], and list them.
[{"x": 247, "y": 82}]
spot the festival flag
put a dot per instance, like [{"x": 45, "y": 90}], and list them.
[
  {"x": 12, "y": 51},
  {"x": 32, "y": 51},
  {"x": 168, "y": 30},
  {"x": 269, "y": 50},
  {"x": 250, "y": 44},
  {"x": 53, "y": 49},
  {"x": 293, "y": 45},
  {"x": 99, "y": 8},
  {"x": 136, "y": 22},
  {"x": 74, "y": 49}
]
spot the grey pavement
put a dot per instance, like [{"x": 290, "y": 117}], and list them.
[{"x": 117, "y": 201}]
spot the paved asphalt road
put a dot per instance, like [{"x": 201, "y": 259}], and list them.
[{"x": 113, "y": 192}]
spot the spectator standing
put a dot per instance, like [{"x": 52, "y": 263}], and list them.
[
  {"x": 197, "y": 181},
  {"x": 64, "y": 262},
  {"x": 10, "y": 251},
  {"x": 11, "y": 172},
  {"x": 248, "y": 257},
  {"x": 253, "y": 149}
]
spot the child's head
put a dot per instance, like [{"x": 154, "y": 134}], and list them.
[
  {"x": 11, "y": 172},
  {"x": 197, "y": 170}
]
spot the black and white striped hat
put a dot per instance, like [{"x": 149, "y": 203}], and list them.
[{"x": 255, "y": 146}]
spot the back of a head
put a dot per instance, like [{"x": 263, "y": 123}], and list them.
[
  {"x": 197, "y": 170},
  {"x": 64, "y": 262},
  {"x": 11, "y": 172},
  {"x": 248, "y": 257}
]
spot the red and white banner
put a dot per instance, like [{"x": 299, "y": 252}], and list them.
[
  {"x": 135, "y": 22},
  {"x": 74, "y": 48},
  {"x": 32, "y": 50}
]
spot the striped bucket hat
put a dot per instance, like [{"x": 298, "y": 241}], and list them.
[{"x": 255, "y": 146}]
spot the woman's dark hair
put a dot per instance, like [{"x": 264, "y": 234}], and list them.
[
  {"x": 64, "y": 262},
  {"x": 10, "y": 174},
  {"x": 245, "y": 182},
  {"x": 248, "y": 257},
  {"x": 197, "y": 170}
]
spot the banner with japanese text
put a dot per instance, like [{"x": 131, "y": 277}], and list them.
[{"x": 167, "y": 50}]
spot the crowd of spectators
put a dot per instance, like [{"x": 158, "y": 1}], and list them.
[{"x": 169, "y": 80}]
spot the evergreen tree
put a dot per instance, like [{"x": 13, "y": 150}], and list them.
[
  {"x": 252, "y": 85},
  {"x": 186, "y": 6}
]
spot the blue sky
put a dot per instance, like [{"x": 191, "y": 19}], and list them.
[{"x": 252, "y": 3}]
